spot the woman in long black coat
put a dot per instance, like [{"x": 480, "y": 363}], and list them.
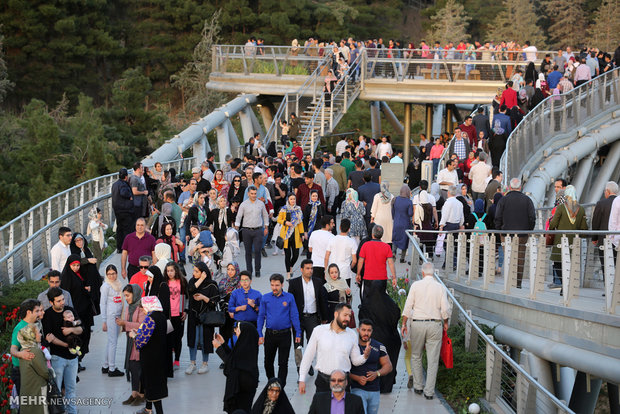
[
  {"x": 75, "y": 281},
  {"x": 273, "y": 395},
  {"x": 240, "y": 358},
  {"x": 90, "y": 267},
  {"x": 221, "y": 218},
  {"x": 385, "y": 313},
  {"x": 150, "y": 339},
  {"x": 203, "y": 297},
  {"x": 156, "y": 286}
]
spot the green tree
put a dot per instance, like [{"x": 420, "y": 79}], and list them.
[
  {"x": 604, "y": 32},
  {"x": 5, "y": 84},
  {"x": 449, "y": 23},
  {"x": 522, "y": 11},
  {"x": 191, "y": 80},
  {"x": 567, "y": 23}
]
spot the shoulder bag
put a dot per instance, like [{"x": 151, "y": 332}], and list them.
[{"x": 213, "y": 318}]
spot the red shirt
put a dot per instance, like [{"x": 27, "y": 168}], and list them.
[
  {"x": 471, "y": 135},
  {"x": 299, "y": 152},
  {"x": 375, "y": 254},
  {"x": 139, "y": 279},
  {"x": 509, "y": 98}
]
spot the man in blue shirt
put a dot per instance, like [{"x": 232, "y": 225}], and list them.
[
  {"x": 244, "y": 302},
  {"x": 554, "y": 78},
  {"x": 365, "y": 378},
  {"x": 278, "y": 312}
]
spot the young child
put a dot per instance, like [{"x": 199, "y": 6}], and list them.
[
  {"x": 231, "y": 248},
  {"x": 111, "y": 304},
  {"x": 96, "y": 228},
  {"x": 73, "y": 340}
]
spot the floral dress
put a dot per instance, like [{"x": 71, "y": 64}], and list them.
[{"x": 356, "y": 215}]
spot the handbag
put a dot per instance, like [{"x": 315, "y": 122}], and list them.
[
  {"x": 214, "y": 318},
  {"x": 446, "y": 350},
  {"x": 280, "y": 243},
  {"x": 54, "y": 397},
  {"x": 549, "y": 238}
]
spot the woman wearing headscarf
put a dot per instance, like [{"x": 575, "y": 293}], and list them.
[
  {"x": 402, "y": 212},
  {"x": 219, "y": 183},
  {"x": 568, "y": 216},
  {"x": 226, "y": 286},
  {"x": 212, "y": 199},
  {"x": 89, "y": 268},
  {"x": 414, "y": 169},
  {"x": 423, "y": 220},
  {"x": 231, "y": 250},
  {"x": 381, "y": 212},
  {"x": 73, "y": 279},
  {"x": 236, "y": 190},
  {"x": 150, "y": 339},
  {"x": 294, "y": 51},
  {"x": 177, "y": 285},
  {"x": 162, "y": 253},
  {"x": 197, "y": 214},
  {"x": 292, "y": 231},
  {"x": 133, "y": 316},
  {"x": 203, "y": 297},
  {"x": 337, "y": 290},
  {"x": 111, "y": 308},
  {"x": 272, "y": 400},
  {"x": 240, "y": 358},
  {"x": 385, "y": 313},
  {"x": 167, "y": 236},
  {"x": 221, "y": 218},
  {"x": 468, "y": 204},
  {"x": 313, "y": 212},
  {"x": 354, "y": 210},
  {"x": 96, "y": 229},
  {"x": 530, "y": 73},
  {"x": 33, "y": 373}
]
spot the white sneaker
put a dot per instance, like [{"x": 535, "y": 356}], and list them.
[
  {"x": 204, "y": 368},
  {"x": 191, "y": 368},
  {"x": 275, "y": 251}
]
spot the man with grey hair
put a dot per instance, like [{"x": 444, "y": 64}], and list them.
[
  {"x": 601, "y": 215},
  {"x": 331, "y": 191},
  {"x": 425, "y": 312},
  {"x": 478, "y": 174},
  {"x": 337, "y": 400},
  {"x": 373, "y": 257},
  {"x": 515, "y": 211}
]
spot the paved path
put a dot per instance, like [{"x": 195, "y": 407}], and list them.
[{"x": 204, "y": 393}]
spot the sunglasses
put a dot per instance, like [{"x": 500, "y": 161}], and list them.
[{"x": 144, "y": 267}]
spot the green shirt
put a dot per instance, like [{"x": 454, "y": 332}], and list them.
[
  {"x": 177, "y": 212},
  {"x": 348, "y": 165},
  {"x": 21, "y": 324}
]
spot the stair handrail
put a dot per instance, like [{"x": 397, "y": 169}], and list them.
[
  {"x": 520, "y": 146},
  {"x": 303, "y": 89},
  {"x": 319, "y": 110}
]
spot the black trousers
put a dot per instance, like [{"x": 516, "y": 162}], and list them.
[
  {"x": 176, "y": 336},
  {"x": 291, "y": 254},
  {"x": 124, "y": 226},
  {"x": 253, "y": 242},
  {"x": 369, "y": 285},
  {"x": 308, "y": 322},
  {"x": 319, "y": 271},
  {"x": 281, "y": 343}
]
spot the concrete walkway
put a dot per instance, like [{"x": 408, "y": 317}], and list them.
[{"x": 188, "y": 393}]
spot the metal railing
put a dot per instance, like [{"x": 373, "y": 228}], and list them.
[
  {"x": 509, "y": 387},
  {"x": 524, "y": 265},
  {"x": 25, "y": 241},
  {"x": 299, "y": 101},
  {"x": 275, "y": 60},
  {"x": 326, "y": 115},
  {"x": 557, "y": 114}
]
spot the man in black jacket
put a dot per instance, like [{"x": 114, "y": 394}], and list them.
[
  {"x": 122, "y": 203},
  {"x": 515, "y": 211},
  {"x": 311, "y": 301},
  {"x": 322, "y": 402},
  {"x": 600, "y": 218}
]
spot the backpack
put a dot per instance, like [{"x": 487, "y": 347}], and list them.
[
  {"x": 480, "y": 225},
  {"x": 497, "y": 127},
  {"x": 206, "y": 239}
]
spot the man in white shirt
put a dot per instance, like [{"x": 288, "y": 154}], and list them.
[
  {"x": 341, "y": 146},
  {"x": 342, "y": 251},
  {"x": 448, "y": 176},
  {"x": 317, "y": 245},
  {"x": 428, "y": 308},
  {"x": 332, "y": 189},
  {"x": 530, "y": 52},
  {"x": 61, "y": 251},
  {"x": 335, "y": 347},
  {"x": 478, "y": 175},
  {"x": 452, "y": 215},
  {"x": 614, "y": 220}
]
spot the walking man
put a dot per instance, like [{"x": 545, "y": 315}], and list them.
[
  {"x": 318, "y": 243},
  {"x": 374, "y": 256},
  {"x": 53, "y": 280},
  {"x": 61, "y": 251},
  {"x": 278, "y": 312},
  {"x": 255, "y": 227},
  {"x": 425, "y": 313},
  {"x": 137, "y": 244},
  {"x": 335, "y": 347}
]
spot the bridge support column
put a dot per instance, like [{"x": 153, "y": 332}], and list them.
[
  {"x": 248, "y": 126},
  {"x": 200, "y": 149},
  {"x": 429, "y": 120},
  {"x": 583, "y": 172},
  {"x": 448, "y": 121},
  {"x": 585, "y": 393},
  {"x": 604, "y": 174},
  {"x": 614, "y": 398},
  {"x": 541, "y": 370},
  {"x": 375, "y": 119},
  {"x": 407, "y": 136},
  {"x": 391, "y": 118},
  {"x": 227, "y": 142},
  {"x": 267, "y": 111}
]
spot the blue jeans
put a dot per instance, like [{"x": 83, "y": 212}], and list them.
[
  {"x": 67, "y": 370},
  {"x": 182, "y": 235},
  {"x": 435, "y": 166},
  {"x": 193, "y": 351},
  {"x": 369, "y": 398}
]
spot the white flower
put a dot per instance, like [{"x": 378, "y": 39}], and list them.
[{"x": 402, "y": 292}]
